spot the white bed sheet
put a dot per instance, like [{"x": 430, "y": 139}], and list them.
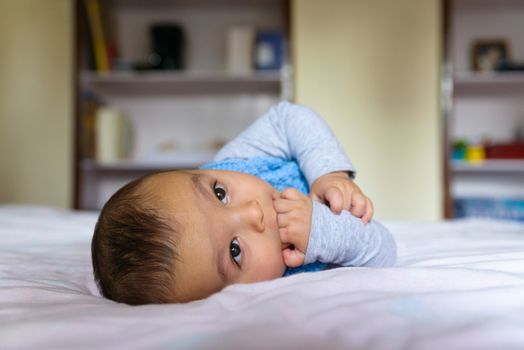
[{"x": 457, "y": 285}]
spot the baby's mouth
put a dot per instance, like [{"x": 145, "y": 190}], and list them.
[{"x": 287, "y": 246}]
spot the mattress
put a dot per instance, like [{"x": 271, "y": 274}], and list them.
[{"x": 457, "y": 284}]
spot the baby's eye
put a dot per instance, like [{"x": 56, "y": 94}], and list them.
[
  {"x": 236, "y": 252},
  {"x": 221, "y": 193}
]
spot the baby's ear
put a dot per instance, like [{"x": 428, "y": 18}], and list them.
[{"x": 293, "y": 257}]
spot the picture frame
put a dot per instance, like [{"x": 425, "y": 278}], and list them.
[{"x": 489, "y": 55}]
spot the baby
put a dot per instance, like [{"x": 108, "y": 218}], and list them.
[{"x": 179, "y": 236}]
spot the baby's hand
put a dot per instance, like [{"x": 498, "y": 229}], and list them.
[
  {"x": 340, "y": 192},
  {"x": 294, "y": 211}
]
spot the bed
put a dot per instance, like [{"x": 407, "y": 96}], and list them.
[{"x": 458, "y": 284}]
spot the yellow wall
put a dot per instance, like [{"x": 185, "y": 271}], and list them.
[
  {"x": 371, "y": 69},
  {"x": 36, "y": 101}
]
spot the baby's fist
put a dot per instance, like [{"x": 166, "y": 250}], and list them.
[
  {"x": 294, "y": 211},
  {"x": 339, "y": 192}
]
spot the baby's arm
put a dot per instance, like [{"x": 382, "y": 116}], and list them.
[
  {"x": 291, "y": 131},
  {"x": 314, "y": 233},
  {"x": 345, "y": 240}
]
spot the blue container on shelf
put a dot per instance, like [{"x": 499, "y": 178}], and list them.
[{"x": 496, "y": 208}]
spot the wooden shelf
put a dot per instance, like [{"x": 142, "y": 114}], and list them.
[
  {"x": 509, "y": 77},
  {"x": 503, "y": 82},
  {"x": 155, "y": 82},
  {"x": 489, "y": 4},
  {"x": 176, "y": 160},
  {"x": 489, "y": 166}
]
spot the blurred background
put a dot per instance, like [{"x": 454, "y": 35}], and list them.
[{"x": 424, "y": 95}]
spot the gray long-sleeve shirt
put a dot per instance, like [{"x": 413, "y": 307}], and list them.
[{"x": 292, "y": 131}]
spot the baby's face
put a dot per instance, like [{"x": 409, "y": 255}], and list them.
[{"x": 227, "y": 229}]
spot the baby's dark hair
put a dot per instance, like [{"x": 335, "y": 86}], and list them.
[{"x": 134, "y": 248}]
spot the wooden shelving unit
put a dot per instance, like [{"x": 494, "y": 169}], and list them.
[
  {"x": 193, "y": 110},
  {"x": 482, "y": 105}
]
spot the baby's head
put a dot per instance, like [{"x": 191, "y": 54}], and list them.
[{"x": 182, "y": 235}]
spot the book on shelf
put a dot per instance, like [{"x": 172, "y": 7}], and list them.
[
  {"x": 109, "y": 26},
  {"x": 270, "y": 50},
  {"x": 87, "y": 56},
  {"x": 101, "y": 34}
]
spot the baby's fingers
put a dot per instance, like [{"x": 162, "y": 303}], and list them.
[
  {"x": 292, "y": 194},
  {"x": 369, "y": 211},
  {"x": 335, "y": 199},
  {"x": 283, "y": 220},
  {"x": 284, "y": 205},
  {"x": 358, "y": 204},
  {"x": 293, "y": 257}
]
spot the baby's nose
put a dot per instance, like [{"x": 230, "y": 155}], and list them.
[{"x": 252, "y": 216}]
